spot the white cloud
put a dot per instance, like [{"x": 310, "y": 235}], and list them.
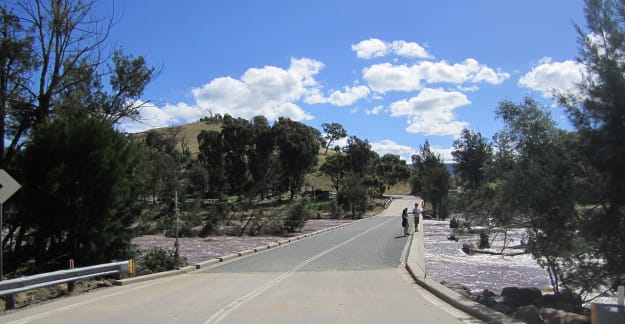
[
  {"x": 374, "y": 47},
  {"x": 472, "y": 88},
  {"x": 314, "y": 96},
  {"x": 390, "y": 147},
  {"x": 375, "y": 110},
  {"x": 348, "y": 96},
  {"x": 548, "y": 76},
  {"x": 269, "y": 91},
  {"x": 445, "y": 153},
  {"x": 386, "y": 77},
  {"x": 431, "y": 112},
  {"x": 370, "y": 48},
  {"x": 154, "y": 117},
  {"x": 409, "y": 49},
  {"x": 436, "y": 126},
  {"x": 427, "y": 101}
]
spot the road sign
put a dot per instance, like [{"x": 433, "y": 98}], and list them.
[{"x": 9, "y": 186}]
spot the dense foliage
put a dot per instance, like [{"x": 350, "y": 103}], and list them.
[
  {"x": 431, "y": 180},
  {"x": 60, "y": 97},
  {"x": 567, "y": 188},
  {"x": 80, "y": 184}
]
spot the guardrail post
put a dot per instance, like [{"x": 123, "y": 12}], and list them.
[
  {"x": 9, "y": 302},
  {"x": 71, "y": 285}
]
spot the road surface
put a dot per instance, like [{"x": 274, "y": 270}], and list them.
[{"x": 349, "y": 275}]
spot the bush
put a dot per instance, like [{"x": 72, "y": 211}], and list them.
[
  {"x": 160, "y": 259},
  {"x": 296, "y": 216}
]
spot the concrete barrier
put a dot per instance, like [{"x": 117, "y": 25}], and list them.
[
  {"x": 246, "y": 252},
  {"x": 228, "y": 257}
]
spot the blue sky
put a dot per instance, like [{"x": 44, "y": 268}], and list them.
[{"x": 394, "y": 73}]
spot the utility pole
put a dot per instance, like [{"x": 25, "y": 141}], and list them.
[{"x": 176, "y": 255}]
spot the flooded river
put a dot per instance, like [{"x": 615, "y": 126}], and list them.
[{"x": 445, "y": 261}]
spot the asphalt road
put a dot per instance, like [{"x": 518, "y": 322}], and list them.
[{"x": 348, "y": 275}]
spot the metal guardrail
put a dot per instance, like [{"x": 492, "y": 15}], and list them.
[{"x": 8, "y": 288}]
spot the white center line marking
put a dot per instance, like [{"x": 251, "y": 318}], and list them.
[{"x": 223, "y": 313}]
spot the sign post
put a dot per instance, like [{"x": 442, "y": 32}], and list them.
[{"x": 8, "y": 186}]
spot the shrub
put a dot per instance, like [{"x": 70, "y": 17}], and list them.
[
  {"x": 159, "y": 259},
  {"x": 296, "y": 216}
]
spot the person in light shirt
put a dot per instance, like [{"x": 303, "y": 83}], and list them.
[{"x": 416, "y": 211}]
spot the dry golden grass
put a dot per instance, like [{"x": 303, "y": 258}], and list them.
[{"x": 190, "y": 132}]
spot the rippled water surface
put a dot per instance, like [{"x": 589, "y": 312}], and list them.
[{"x": 445, "y": 261}]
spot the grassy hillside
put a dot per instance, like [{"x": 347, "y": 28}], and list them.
[
  {"x": 187, "y": 133},
  {"x": 314, "y": 179}
]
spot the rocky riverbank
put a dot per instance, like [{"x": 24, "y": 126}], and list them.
[{"x": 528, "y": 304}]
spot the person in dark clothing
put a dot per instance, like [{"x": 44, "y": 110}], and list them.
[{"x": 404, "y": 221}]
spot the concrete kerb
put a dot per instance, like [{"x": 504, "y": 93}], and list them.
[
  {"x": 228, "y": 257},
  {"x": 151, "y": 276},
  {"x": 206, "y": 263},
  {"x": 415, "y": 264},
  {"x": 246, "y": 252}
]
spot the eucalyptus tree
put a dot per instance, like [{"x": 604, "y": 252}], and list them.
[
  {"x": 261, "y": 156},
  {"x": 335, "y": 166},
  {"x": 298, "y": 149},
  {"x": 236, "y": 134},
  {"x": 597, "y": 113},
  {"x": 392, "y": 169},
  {"x": 333, "y": 133},
  {"x": 431, "y": 179},
  {"x": 541, "y": 187},
  {"x": 211, "y": 156},
  {"x": 57, "y": 60},
  {"x": 473, "y": 153},
  {"x": 360, "y": 156},
  {"x": 16, "y": 60}
]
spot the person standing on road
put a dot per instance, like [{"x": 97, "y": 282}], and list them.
[
  {"x": 404, "y": 221},
  {"x": 416, "y": 211}
]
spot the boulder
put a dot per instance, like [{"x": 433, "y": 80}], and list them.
[
  {"x": 468, "y": 248},
  {"x": 529, "y": 314},
  {"x": 522, "y": 296},
  {"x": 459, "y": 288},
  {"x": 564, "y": 300},
  {"x": 558, "y": 316},
  {"x": 503, "y": 308},
  {"x": 487, "y": 298}
]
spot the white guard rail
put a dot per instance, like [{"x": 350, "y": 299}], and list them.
[{"x": 8, "y": 288}]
